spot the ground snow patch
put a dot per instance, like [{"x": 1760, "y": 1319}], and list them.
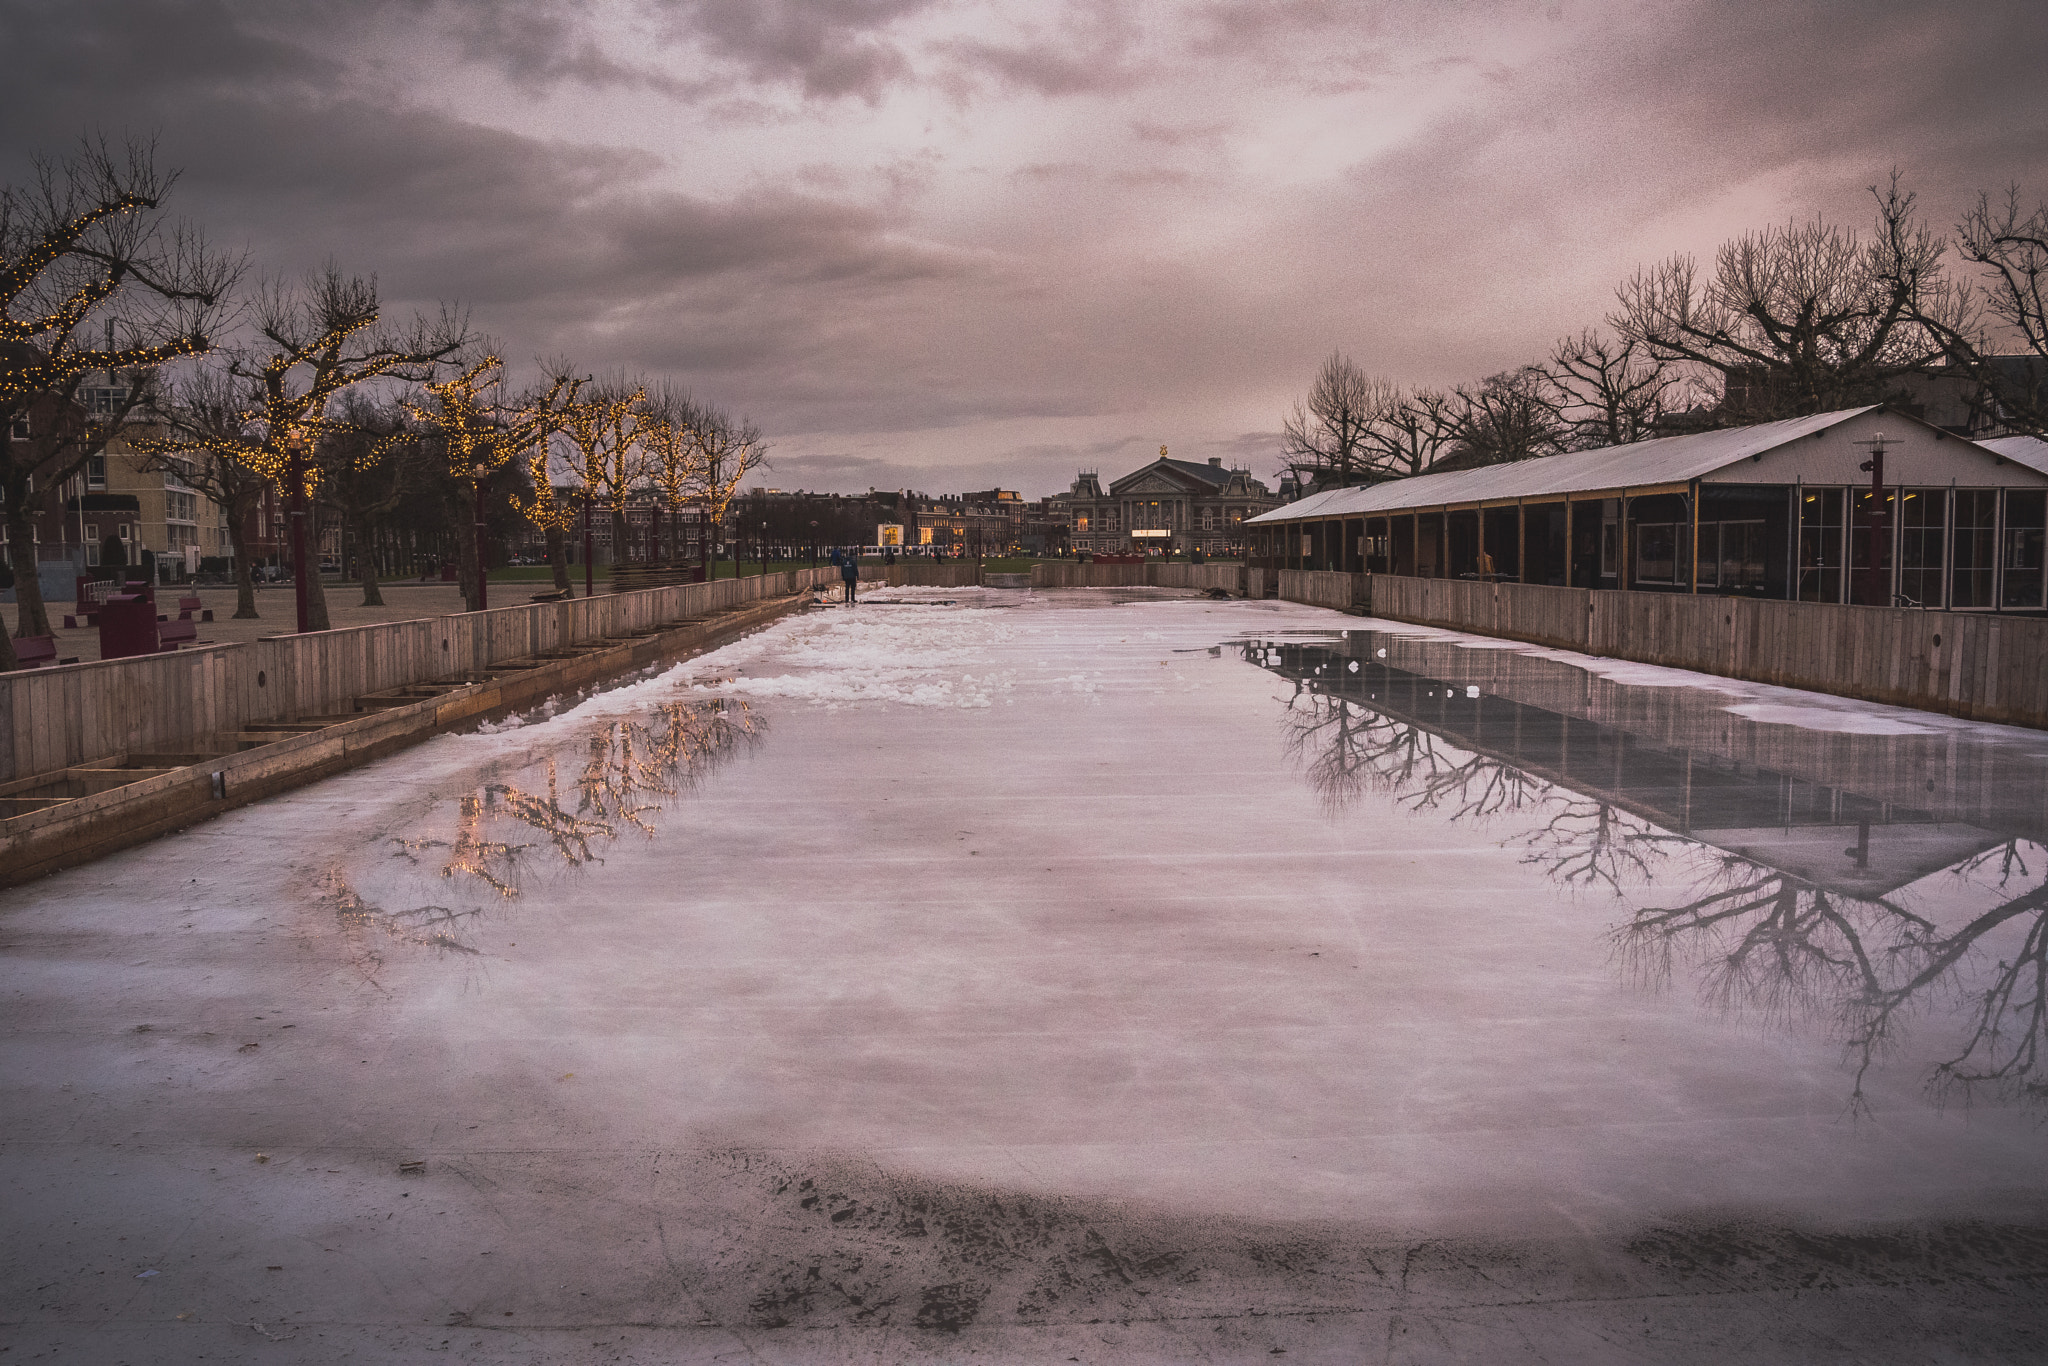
[
  {"x": 1844, "y": 720},
  {"x": 909, "y": 656}
]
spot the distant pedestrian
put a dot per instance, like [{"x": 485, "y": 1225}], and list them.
[{"x": 849, "y": 573}]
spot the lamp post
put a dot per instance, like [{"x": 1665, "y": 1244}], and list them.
[
  {"x": 814, "y": 545},
  {"x": 295, "y": 470},
  {"x": 483, "y": 600},
  {"x": 1875, "y": 567},
  {"x": 589, "y": 576}
]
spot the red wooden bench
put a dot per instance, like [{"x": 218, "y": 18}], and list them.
[
  {"x": 188, "y": 606},
  {"x": 38, "y": 652}
]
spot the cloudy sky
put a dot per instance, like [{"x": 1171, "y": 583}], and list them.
[{"x": 947, "y": 244}]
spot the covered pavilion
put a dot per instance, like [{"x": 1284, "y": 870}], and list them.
[{"x": 1870, "y": 506}]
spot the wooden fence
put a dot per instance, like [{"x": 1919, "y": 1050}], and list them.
[
  {"x": 910, "y": 575},
  {"x": 1987, "y": 668},
  {"x": 78, "y": 713},
  {"x": 1152, "y": 574},
  {"x": 1322, "y": 588}
]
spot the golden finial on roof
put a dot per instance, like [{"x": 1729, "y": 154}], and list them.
[{"x": 1162, "y": 452}]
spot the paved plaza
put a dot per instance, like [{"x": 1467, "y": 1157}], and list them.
[{"x": 1088, "y": 975}]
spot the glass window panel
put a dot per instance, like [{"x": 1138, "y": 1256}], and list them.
[
  {"x": 1742, "y": 556},
  {"x": 1923, "y": 537},
  {"x": 2021, "y": 555},
  {"x": 1820, "y": 546},
  {"x": 1972, "y": 547},
  {"x": 1656, "y": 551}
]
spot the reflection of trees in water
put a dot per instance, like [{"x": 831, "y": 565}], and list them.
[
  {"x": 627, "y": 771},
  {"x": 1767, "y": 942},
  {"x": 1760, "y": 940},
  {"x": 1346, "y": 748},
  {"x": 631, "y": 768},
  {"x": 1584, "y": 842},
  {"x": 363, "y": 925}
]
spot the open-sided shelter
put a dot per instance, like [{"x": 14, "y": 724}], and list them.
[{"x": 1866, "y": 505}]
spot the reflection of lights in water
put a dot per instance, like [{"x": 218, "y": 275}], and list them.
[{"x": 630, "y": 770}]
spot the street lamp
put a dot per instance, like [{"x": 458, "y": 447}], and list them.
[
  {"x": 814, "y": 545},
  {"x": 295, "y": 451}
]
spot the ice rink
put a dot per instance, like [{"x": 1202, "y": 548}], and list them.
[{"x": 1088, "y": 975}]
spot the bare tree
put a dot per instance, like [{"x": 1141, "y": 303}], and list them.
[
  {"x": 1508, "y": 416},
  {"x": 602, "y": 430},
  {"x": 95, "y": 280},
  {"x": 482, "y": 435},
  {"x": 1608, "y": 391},
  {"x": 314, "y": 340},
  {"x": 1413, "y": 433},
  {"x": 731, "y": 447},
  {"x": 544, "y": 506},
  {"x": 370, "y": 461},
  {"x": 2011, "y": 248},
  {"x": 1803, "y": 318},
  {"x": 206, "y": 417},
  {"x": 670, "y": 428},
  {"x": 1327, "y": 437}
]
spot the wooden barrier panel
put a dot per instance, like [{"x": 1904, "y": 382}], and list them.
[
  {"x": 1987, "y": 668},
  {"x": 1200, "y": 577},
  {"x": 77, "y": 713},
  {"x": 1059, "y": 574},
  {"x": 909, "y": 575},
  {"x": 1321, "y": 587}
]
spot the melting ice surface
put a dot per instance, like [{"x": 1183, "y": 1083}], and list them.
[
  {"x": 1004, "y": 960},
  {"x": 1223, "y": 903}
]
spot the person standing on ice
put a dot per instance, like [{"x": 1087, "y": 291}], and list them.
[{"x": 849, "y": 572}]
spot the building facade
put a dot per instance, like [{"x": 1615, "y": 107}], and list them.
[
  {"x": 1167, "y": 507},
  {"x": 118, "y": 498}
]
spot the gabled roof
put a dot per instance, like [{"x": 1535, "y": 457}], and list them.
[
  {"x": 1211, "y": 475},
  {"x": 1665, "y": 460},
  {"x": 2030, "y": 451}
]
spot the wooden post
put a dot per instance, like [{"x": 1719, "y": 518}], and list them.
[
  {"x": 296, "y": 472},
  {"x": 1695, "y": 500}
]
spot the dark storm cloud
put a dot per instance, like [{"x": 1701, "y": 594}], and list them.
[
  {"x": 555, "y": 246},
  {"x": 830, "y": 48},
  {"x": 537, "y": 45},
  {"x": 1046, "y": 68},
  {"x": 1119, "y": 214}
]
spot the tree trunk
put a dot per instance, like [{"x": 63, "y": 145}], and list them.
[
  {"x": 465, "y": 553},
  {"x": 558, "y": 556},
  {"x": 245, "y": 572},
  {"x": 31, "y": 618},
  {"x": 316, "y": 591},
  {"x": 366, "y": 555}
]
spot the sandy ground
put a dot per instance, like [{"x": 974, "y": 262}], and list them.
[{"x": 993, "y": 980}]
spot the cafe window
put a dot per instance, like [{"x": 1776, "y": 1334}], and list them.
[
  {"x": 1923, "y": 537},
  {"x": 2020, "y": 554},
  {"x": 1659, "y": 551},
  {"x": 1732, "y": 556},
  {"x": 1971, "y": 549},
  {"x": 1820, "y": 546}
]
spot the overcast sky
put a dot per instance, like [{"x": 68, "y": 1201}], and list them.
[{"x": 948, "y": 244}]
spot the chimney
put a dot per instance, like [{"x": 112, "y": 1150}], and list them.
[{"x": 1216, "y": 462}]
